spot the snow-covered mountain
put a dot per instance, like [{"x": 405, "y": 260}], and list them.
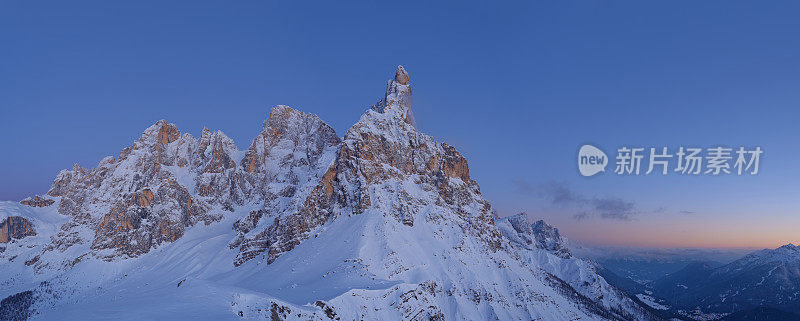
[
  {"x": 541, "y": 246},
  {"x": 382, "y": 224},
  {"x": 768, "y": 278}
]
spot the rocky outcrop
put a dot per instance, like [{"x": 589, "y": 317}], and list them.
[
  {"x": 547, "y": 237},
  {"x": 285, "y": 165},
  {"x": 214, "y": 152},
  {"x": 15, "y": 227},
  {"x": 401, "y": 76},
  {"x": 219, "y": 179},
  {"x": 168, "y": 133},
  {"x": 37, "y": 201},
  {"x": 147, "y": 219},
  {"x": 538, "y": 235},
  {"x": 397, "y": 100},
  {"x": 134, "y": 202}
]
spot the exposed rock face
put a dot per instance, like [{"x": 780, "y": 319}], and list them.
[
  {"x": 219, "y": 179},
  {"x": 290, "y": 144},
  {"x": 168, "y": 133},
  {"x": 141, "y": 221},
  {"x": 134, "y": 202},
  {"x": 284, "y": 165},
  {"x": 37, "y": 201},
  {"x": 15, "y": 227},
  {"x": 401, "y": 76},
  {"x": 397, "y": 101}
]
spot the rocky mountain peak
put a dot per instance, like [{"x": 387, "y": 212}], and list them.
[
  {"x": 285, "y": 132},
  {"x": 281, "y": 112},
  {"x": 397, "y": 100},
  {"x": 789, "y": 251},
  {"x": 520, "y": 223},
  {"x": 786, "y": 252},
  {"x": 539, "y": 234},
  {"x": 162, "y": 132},
  {"x": 548, "y": 238},
  {"x": 216, "y": 139},
  {"x": 401, "y": 76},
  {"x": 285, "y": 121}
]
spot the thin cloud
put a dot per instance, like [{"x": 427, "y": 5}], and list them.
[
  {"x": 663, "y": 209},
  {"x": 558, "y": 194},
  {"x": 614, "y": 208}
]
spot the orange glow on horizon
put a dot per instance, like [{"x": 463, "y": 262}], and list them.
[{"x": 681, "y": 234}]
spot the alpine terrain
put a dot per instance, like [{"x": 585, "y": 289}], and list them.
[
  {"x": 768, "y": 278},
  {"x": 383, "y": 223}
]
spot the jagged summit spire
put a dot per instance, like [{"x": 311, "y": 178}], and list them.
[
  {"x": 401, "y": 76},
  {"x": 397, "y": 100}
]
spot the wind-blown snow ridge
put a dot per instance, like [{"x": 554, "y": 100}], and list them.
[{"x": 384, "y": 223}]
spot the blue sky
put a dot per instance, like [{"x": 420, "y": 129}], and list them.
[{"x": 517, "y": 87}]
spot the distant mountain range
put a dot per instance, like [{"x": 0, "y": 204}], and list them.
[
  {"x": 768, "y": 278},
  {"x": 645, "y": 265},
  {"x": 762, "y": 314},
  {"x": 762, "y": 285}
]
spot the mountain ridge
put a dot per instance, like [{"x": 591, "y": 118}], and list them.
[
  {"x": 768, "y": 277},
  {"x": 382, "y": 223}
]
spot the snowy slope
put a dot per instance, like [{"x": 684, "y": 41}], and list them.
[
  {"x": 540, "y": 245},
  {"x": 384, "y": 223}
]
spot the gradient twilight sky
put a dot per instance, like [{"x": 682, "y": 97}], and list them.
[{"x": 516, "y": 87}]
